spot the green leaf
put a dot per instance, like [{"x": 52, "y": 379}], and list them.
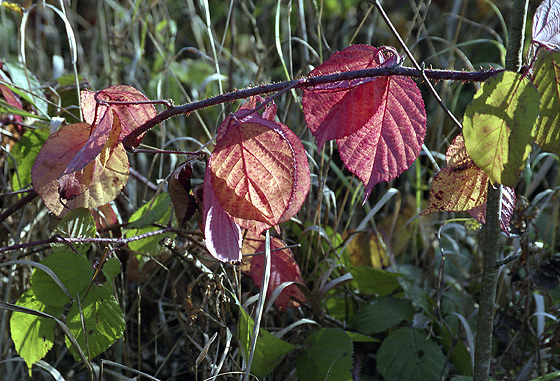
[
  {"x": 328, "y": 356},
  {"x": 498, "y": 126},
  {"x": 7, "y": 108},
  {"x": 104, "y": 322},
  {"x": 73, "y": 270},
  {"x": 156, "y": 211},
  {"x": 111, "y": 268},
  {"x": 548, "y": 377},
  {"x": 33, "y": 336},
  {"x": 269, "y": 350},
  {"x": 359, "y": 338},
  {"x": 78, "y": 223},
  {"x": 151, "y": 212},
  {"x": 547, "y": 80},
  {"x": 374, "y": 281},
  {"x": 406, "y": 354},
  {"x": 24, "y": 79},
  {"x": 382, "y": 314},
  {"x": 24, "y": 153}
]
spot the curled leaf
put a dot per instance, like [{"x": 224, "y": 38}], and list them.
[
  {"x": 221, "y": 233},
  {"x": 179, "y": 190},
  {"x": 103, "y": 181},
  {"x": 130, "y": 115}
]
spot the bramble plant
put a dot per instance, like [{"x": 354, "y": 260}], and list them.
[{"x": 256, "y": 179}]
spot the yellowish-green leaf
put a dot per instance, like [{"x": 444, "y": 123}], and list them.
[
  {"x": 498, "y": 126},
  {"x": 547, "y": 80},
  {"x": 33, "y": 336}
]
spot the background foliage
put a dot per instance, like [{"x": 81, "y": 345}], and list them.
[{"x": 409, "y": 307}]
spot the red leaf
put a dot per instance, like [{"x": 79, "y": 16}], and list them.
[
  {"x": 221, "y": 233},
  {"x": 391, "y": 140},
  {"x": 10, "y": 97},
  {"x": 259, "y": 169},
  {"x": 130, "y": 116},
  {"x": 546, "y": 25},
  {"x": 333, "y": 111},
  {"x": 283, "y": 268},
  {"x": 102, "y": 179}
]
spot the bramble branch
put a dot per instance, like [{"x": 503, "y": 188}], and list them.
[{"x": 434, "y": 74}]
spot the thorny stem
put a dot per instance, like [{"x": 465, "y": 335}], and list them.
[
  {"x": 308, "y": 82},
  {"x": 491, "y": 231},
  {"x": 116, "y": 241}
]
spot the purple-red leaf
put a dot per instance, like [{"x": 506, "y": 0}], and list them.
[
  {"x": 333, "y": 111},
  {"x": 283, "y": 268},
  {"x": 130, "y": 115},
  {"x": 10, "y": 97},
  {"x": 221, "y": 233},
  {"x": 546, "y": 25},
  {"x": 259, "y": 169},
  {"x": 391, "y": 140}
]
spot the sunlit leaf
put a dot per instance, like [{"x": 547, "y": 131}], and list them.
[
  {"x": 546, "y": 25},
  {"x": 457, "y": 190},
  {"x": 547, "y": 80},
  {"x": 33, "y": 336},
  {"x": 393, "y": 137},
  {"x": 73, "y": 270},
  {"x": 105, "y": 181},
  {"x": 103, "y": 135},
  {"x": 130, "y": 116},
  {"x": 462, "y": 186},
  {"x": 259, "y": 169},
  {"x": 333, "y": 111},
  {"x": 497, "y": 126}
]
